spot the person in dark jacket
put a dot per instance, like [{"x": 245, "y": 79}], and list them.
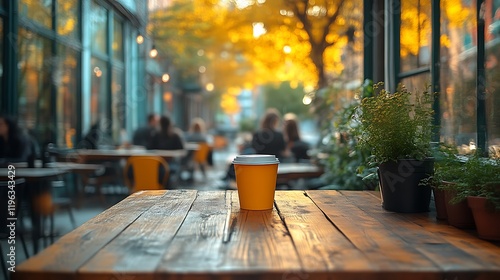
[
  {"x": 144, "y": 135},
  {"x": 166, "y": 138},
  {"x": 268, "y": 140}
]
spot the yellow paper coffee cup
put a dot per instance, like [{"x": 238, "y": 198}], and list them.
[{"x": 256, "y": 180}]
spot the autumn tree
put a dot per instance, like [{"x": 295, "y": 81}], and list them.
[{"x": 299, "y": 41}]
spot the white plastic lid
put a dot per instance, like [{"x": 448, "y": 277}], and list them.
[{"x": 255, "y": 159}]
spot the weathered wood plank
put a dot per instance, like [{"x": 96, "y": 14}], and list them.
[
  {"x": 197, "y": 245},
  {"x": 259, "y": 241},
  {"x": 63, "y": 258},
  {"x": 386, "y": 250},
  {"x": 321, "y": 246},
  {"x": 434, "y": 246},
  {"x": 138, "y": 250},
  {"x": 487, "y": 252}
]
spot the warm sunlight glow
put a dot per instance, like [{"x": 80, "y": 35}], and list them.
[
  {"x": 287, "y": 49},
  {"x": 209, "y": 87},
  {"x": 139, "y": 39},
  {"x": 306, "y": 100},
  {"x": 165, "y": 77},
  {"x": 258, "y": 29},
  {"x": 153, "y": 52}
]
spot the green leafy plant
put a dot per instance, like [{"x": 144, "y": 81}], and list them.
[
  {"x": 344, "y": 166},
  {"x": 396, "y": 125},
  {"x": 477, "y": 176}
]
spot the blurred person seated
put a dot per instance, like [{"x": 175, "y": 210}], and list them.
[
  {"x": 296, "y": 148},
  {"x": 268, "y": 140},
  {"x": 196, "y": 134},
  {"x": 167, "y": 138},
  {"x": 144, "y": 135},
  {"x": 15, "y": 144}
]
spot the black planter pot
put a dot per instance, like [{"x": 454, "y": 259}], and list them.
[{"x": 399, "y": 185}]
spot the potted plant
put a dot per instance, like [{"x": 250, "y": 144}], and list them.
[
  {"x": 448, "y": 168},
  {"x": 397, "y": 128},
  {"x": 479, "y": 185}
]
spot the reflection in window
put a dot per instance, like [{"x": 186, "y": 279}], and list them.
[
  {"x": 98, "y": 18},
  {"x": 99, "y": 91},
  {"x": 66, "y": 103},
  {"x": 118, "y": 40},
  {"x": 458, "y": 76},
  {"x": 67, "y": 18},
  {"x": 36, "y": 77},
  {"x": 118, "y": 106},
  {"x": 39, "y": 11},
  {"x": 415, "y": 34}
]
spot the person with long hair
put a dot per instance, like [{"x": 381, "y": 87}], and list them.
[
  {"x": 295, "y": 147},
  {"x": 268, "y": 140}
]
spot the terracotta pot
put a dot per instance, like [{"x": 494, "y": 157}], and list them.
[
  {"x": 440, "y": 203},
  {"x": 487, "y": 221},
  {"x": 459, "y": 214}
]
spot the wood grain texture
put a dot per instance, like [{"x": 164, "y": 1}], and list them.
[
  {"x": 204, "y": 235},
  {"x": 63, "y": 258},
  {"x": 138, "y": 250},
  {"x": 385, "y": 249},
  {"x": 321, "y": 246},
  {"x": 432, "y": 245}
]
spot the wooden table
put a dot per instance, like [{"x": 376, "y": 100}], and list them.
[
  {"x": 319, "y": 234},
  {"x": 85, "y": 156}
]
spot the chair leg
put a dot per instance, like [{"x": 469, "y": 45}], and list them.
[
  {"x": 71, "y": 217},
  {"x": 51, "y": 229}
]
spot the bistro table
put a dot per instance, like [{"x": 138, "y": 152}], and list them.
[
  {"x": 288, "y": 172},
  {"x": 318, "y": 234},
  {"x": 85, "y": 156}
]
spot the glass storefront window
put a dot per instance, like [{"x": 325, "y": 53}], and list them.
[
  {"x": 67, "y": 18},
  {"x": 39, "y": 11},
  {"x": 118, "y": 40},
  {"x": 99, "y": 95},
  {"x": 1, "y": 54},
  {"x": 415, "y": 34},
  {"x": 458, "y": 77},
  {"x": 99, "y": 27},
  {"x": 492, "y": 63},
  {"x": 67, "y": 88},
  {"x": 36, "y": 77},
  {"x": 118, "y": 104}
]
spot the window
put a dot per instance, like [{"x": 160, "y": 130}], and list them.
[
  {"x": 67, "y": 18},
  {"x": 99, "y": 94},
  {"x": 39, "y": 11},
  {"x": 99, "y": 27},
  {"x": 36, "y": 76},
  {"x": 1, "y": 55},
  {"x": 117, "y": 40},
  {"x": 66, "y": 77},
  {"x": 415, "y": 34},
  {"x": 118, "y": 103}
]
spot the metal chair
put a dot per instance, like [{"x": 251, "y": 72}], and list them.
[
  {"x": 148, "y": 173},
  {"x": 201, "y": 156}
]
